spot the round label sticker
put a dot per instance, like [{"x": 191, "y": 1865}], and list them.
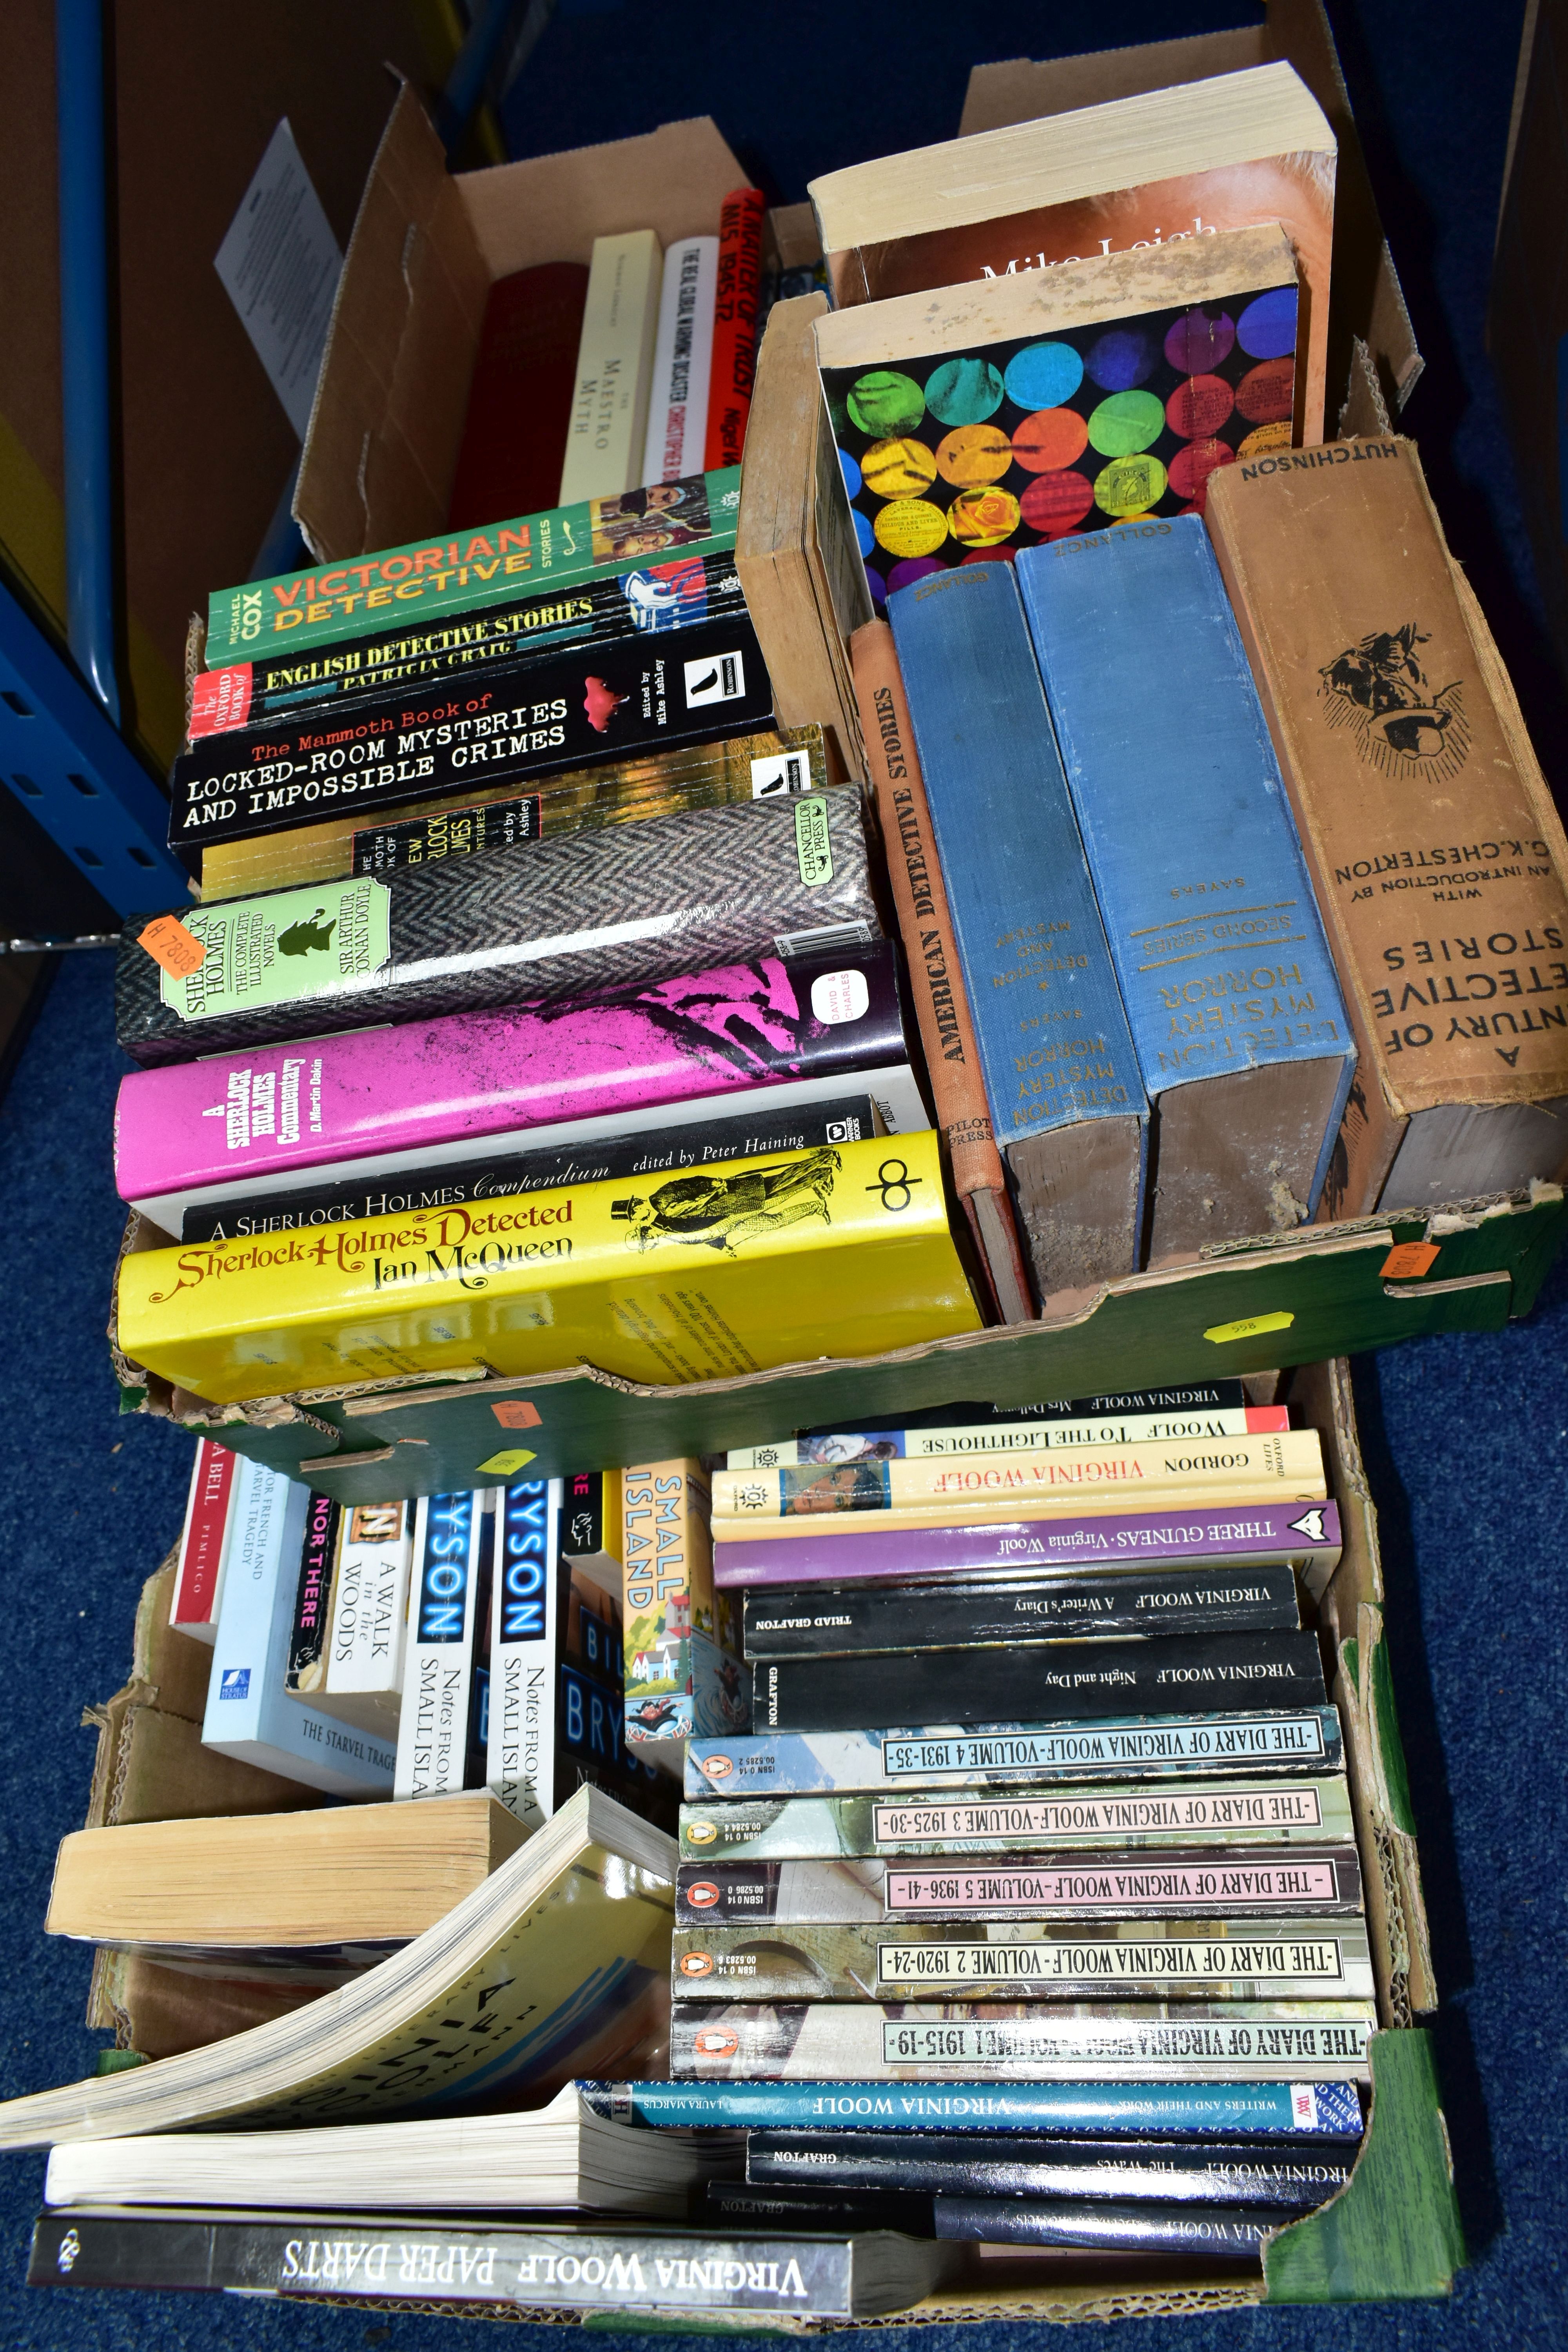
[
  {"x": 716, "y": 2042},
  {"x": 718, "y": 1767},
  {"x": 697, "y": 1964},
  {"x": 701, "y": 1832},
  {"x": 703, "y": 1895},
  {"x": 839, "y": 996}
]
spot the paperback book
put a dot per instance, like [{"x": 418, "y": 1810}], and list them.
[
  {"x": 1290, "y": 2178},
  {"x": 1208, "y": 1883},
  {"x": 1282, "y": 2109},
  {"x": 1204, "y": 1408}
]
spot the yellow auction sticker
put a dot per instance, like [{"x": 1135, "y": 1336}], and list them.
[
  {"x": 504, "y": 1465},
  {"x": 1250, "y": 1328}
]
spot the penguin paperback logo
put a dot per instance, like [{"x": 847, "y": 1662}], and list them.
[
  {"x": 697, "y": 1964},
  {"x": 716, "y": 2042},
  {"x": 701, "y": 1832},
  {"x": 718, "y": 1767},
  {"x": 703, "y": 1895}
]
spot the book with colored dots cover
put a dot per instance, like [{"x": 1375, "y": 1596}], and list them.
[{"x": 1019, "y": 410}]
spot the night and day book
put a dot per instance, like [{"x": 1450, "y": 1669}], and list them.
[
  {"x": 1431, "y": 836},
  {"x": 1150, "y": 2041},
  {"x": 1080, "y": 1679},
  {"x": 1026, "y": 408},
  {"x": 936, "y": 979},
  {"x": 519, "y": 394},
  {"x": 619, "y": 700},
  {"x": 444, "y": 1601},
  {"x": 1243, "y": 1041},
  {"x": 1061, "y": 1077},
  {"x": 692, "y": 1279},
  {"x": 1161, "y": 1960},
  {"x": 1259, "y": 1535},
  {"x": 532, "y": 924},
  {"x": 275, "y": 686},
  {"x": 1162, "y": 166},
  {"x": 558, "y": 1957},
  {"x": 400, "y": 1103},
  {"x": 682, "y": 362},
  {"x": 866, "y": 1620},
  {"x": 198, "y": 1577},
  {"x": 1133, "y": 1817},
  {"x": 1193, "y": 1409},
  {"x": 421, "y": 580},
  {"x": 1190, "y": 2172},
  {"x": 607, "y": 423},
  {"x": 1282, "y": 2109},
  {"x": 950, "y": 1757}
]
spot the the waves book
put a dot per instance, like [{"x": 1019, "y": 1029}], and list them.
[
  {"x": 1438, "y": 856},
  {"x": 1061, "y": 1076},
  {"x": 950, "y": 1757},
  {"x": 400, "y": 1103},
  {"x": 1146, "y": 2042},
  {"x": 249, "y": 1713},
  {"x": 1192, "y": 1408},
  {"x": 559, "y": 1958},
  {"x": 614, "y": 701},
  {"x": 1278, "y": 1959},
  {"x": 1255, "y": 1536},
  {"x": 519, "y": 394},
  {"x": 1213, "y": 1812},
  {"x": 774, "y": 764},
  {"x": 421, "y": 580},
  {"x": 363, "y": 1681},
  {"x": 1028, "y": 408},
  {"x": 527, "y": 925},
  {"x": 734, "y": 1268},
  {"x": 1067, "y": 1680},
  {"x": 682, "y": 1670},
  {"x": 942, "y": 1002},
  {"x": 462, "y": 651},
  {"x": 607, "y": 424},
  {"x": 682, "y": 362},
  {"x": 447, "y": 1590},
  {"x": 198, "y": 1575},
  {"x": 1177, "y": 2110},
  {"x": 1242, "y": 1035},
  {"x": 1324, "y": 1881},
  {"x": 1178, "y": 2172},
  {"x": 868, "y": 1619},
  {"x": 1162, "y": 166}
]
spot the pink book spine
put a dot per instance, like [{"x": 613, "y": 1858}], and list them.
[{"x": 194, "y": 1609}]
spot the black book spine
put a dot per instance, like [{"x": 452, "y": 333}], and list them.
[
  {"x": 1232, "y": 2233},
  {"x": 1178, "y": 1676},
  {"x": 652, "y": 600},
  {"x": 669, "y": 1149},
  {"x": 583, "y": 1519},
  {"x": 1292, "y": 2176},
  {"x": 639, "y": 696},
  {"x": 308, "y": 1633},
  {"x": 857, "y": 1620},
  {"x": 796, "y": 2205}
]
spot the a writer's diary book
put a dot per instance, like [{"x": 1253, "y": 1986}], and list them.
[{"x": 965, "y": 454}]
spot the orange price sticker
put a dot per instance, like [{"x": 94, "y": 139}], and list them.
[
  {"x": 1407, "y": 1261},
  {"x": 522, "y": 1415},
  {"x": 171, "y": 946}
]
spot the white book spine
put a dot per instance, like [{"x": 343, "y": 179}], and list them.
[
  {"x": 682, "y": 362},
  {"x": 433, "y": 1721},
  {"x": 608, "y": 426},
  {"x": 525, "y": 1617},
  {"x": 370, "y": 1603},
  {"x": 249, "y": 1713}
]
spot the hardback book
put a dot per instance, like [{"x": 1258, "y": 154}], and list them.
[
  {"x": 1061, "y": 1076},
  {"x": 1010, "y": 411},
  {"x": 732, "y": 1269},
  {"x": 1212, "y": 1883},
  {"x": 773, "y": 764},
  {"x": 1416, "y": 789},
  {"x": 1179, "y": 2111},
  {"x": 607, "y": 424},
  {"x": 563, "y": 2155},
  {"x": 528, "y": 924},
  {"x": 672, "y": 1145},
  {"x": 942, "y": 1002},
  {"x": 448, "y": 1595},
  {"x": 682, "y": 362},
  {"x": 1259, "y": 1535},
  {"x": 951, "y": 1757},
  {"x": 550, "y": 713},
  {"x": 519, "y": 394},
  {"x": 1288, "y": 1957},
  {"x": 461, "y": 650},
  {"x": 1242, "y": 1036},
  {"x": 1165, "y": 165},
  {"x": 681, "y": 1637},
  {"x": 924, "y": 2040},
  {"x": 516, "y": 2268},
  {"x": 1209, "y": 1811},
  {"x": 250, "y": 1714},
  {"x": 1289, "y": 2178},
  {"x": 422, "y": 581},
  {"x": 402, "y": 1103},
  {"x": 1203, "y": 1410},
  {"x": 884, "y": 1493},
  {"x": 860, "y": 1620},
  {"x": 198, "y": 1577},
  {"x": 305, "y": 1670},
  {"x": 1218, "y": 2233},
  {"x": 365, "y": 1637},
  {"x": 738, "y": 286},
  {"x": 569, "y": 1938},
  {"x": 276, "y": 1883}
]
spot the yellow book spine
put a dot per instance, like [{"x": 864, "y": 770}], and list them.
[{"x": 738, "y": 1268}]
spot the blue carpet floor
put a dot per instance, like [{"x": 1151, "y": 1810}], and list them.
[{"x": 1468, "y": 1437}]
